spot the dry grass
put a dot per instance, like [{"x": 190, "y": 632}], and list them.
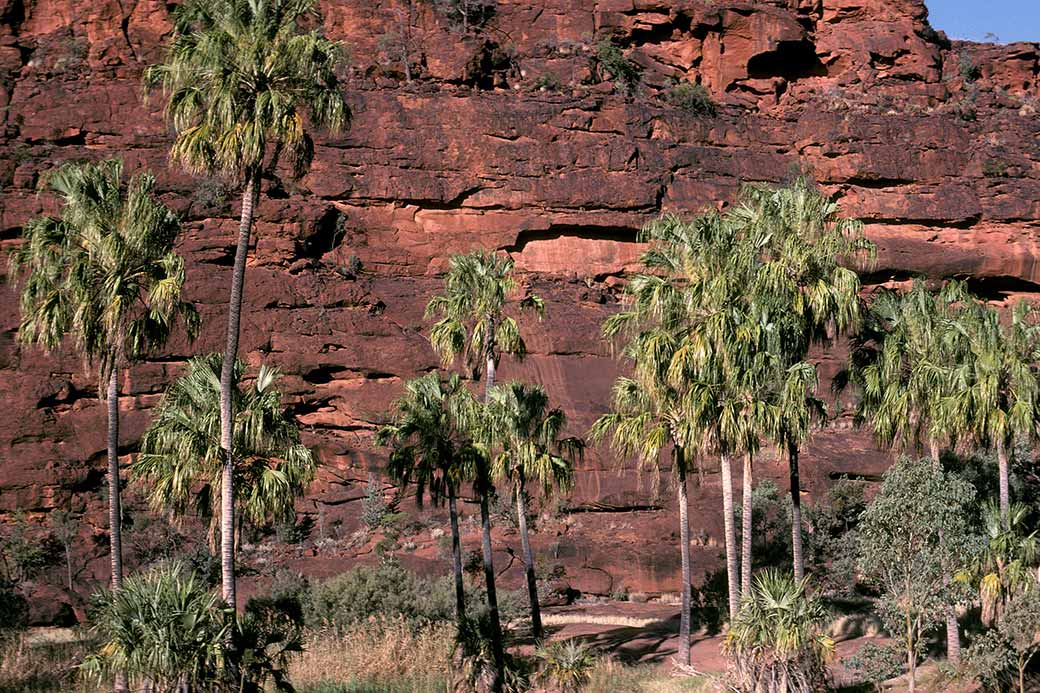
[
  {"x": 39, "y": 662},
  {"x": 615, "y": 621},
  {"x": 610, "y": 675},
  {"x": 385, "y": 655}
]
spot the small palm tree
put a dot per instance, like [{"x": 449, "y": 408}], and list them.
[
  {"x": 105, "y": 274},
  {"x": 777, "y": 639},
  {"x": 524, "y": 436},
  {"x": 473, "y": 324},
  {"x": 181, "y": 459},
  {"x": 239, "y": 76},
  {"x": 1008, "y": 564},
  {"x": 431, "y": 448},
  {"x": 163, "y": 628}
]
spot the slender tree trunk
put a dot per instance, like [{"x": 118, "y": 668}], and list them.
[
  {"x": 953, "y": 637},
  {"x": 684, "y": 550},
  {"x": 732, "y": 569},
  {"x": 745, "y": 529},
  {"x": 68, "y": 564},
  {"x": 796, "y": 513},
  {"x": 525, "y": 545},
  {"x": 911, "y": 659},
  {"x": 227, "y": 491},
  {"x": 1005, "y": 484},
  {"x": 489, "y": 377},
  {"x": 492, "y": 596},
  {"x": 115, "y": 513},
  {"x": 456, "y": 557}
]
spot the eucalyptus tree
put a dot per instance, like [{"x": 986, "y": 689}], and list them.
[
  {"x": 995, "y": 394},
  {"x": 239, "y": 77},
  {"x": 103, "y": 273},
  {"x": 473, "y": 324},
  {"x": 431, "y": 448},
  {"x": 182, "y": 461},
  {"x": 806, "y": 279},
  {"x": 524, "y": 438}
]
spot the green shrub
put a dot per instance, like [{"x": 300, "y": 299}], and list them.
[
  {"x": 995, "y": 168},
  {"x": 548, "y": 81},
  {"x": 623, "y": 72},
  {"x": 373, "y": 507},
  {"x": 875, "y": 663},
  {"x": 970, "y": 72},
  {"x": 690, "y": 97},
  {"x": 25, "y": 550},
  {"x": 566, "y": 664}
]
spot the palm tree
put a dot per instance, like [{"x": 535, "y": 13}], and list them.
[
  {"x": 430, "y": 448},
  {"x": 524, "y": 434},
  {"x": 473, "y": 324},
  {"x": 907, "y": 380},
  {"x": 239, "y": 77},
  {"x": 1008, "y": 564},
  {"x": 778, "y": 638},
  {"x": 995, "y": 394},
  {"x": 105, "y": 274},
  {"x": 649, "y": 416},
  {"x": 803, "y": 246},
  {"x": 182, "y": 460}
]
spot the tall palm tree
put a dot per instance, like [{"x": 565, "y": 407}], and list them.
[
  {"x": 182, "y": 460},
  {"x": 104, "y": 272},
  {"x": 806, "y": 281},
  {"x": 904, "y": 365},
  {"x": 431, "y": 448},
  {"x": 995, "y": 394},
  {"x": 474, "y": 324},
  {"x": 524, "y": 435},
  {"x": 239, "y": 76}
]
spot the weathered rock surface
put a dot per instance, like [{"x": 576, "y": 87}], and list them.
[{"x": 933, "y": 144}]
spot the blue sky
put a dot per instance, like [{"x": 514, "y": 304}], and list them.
[{"x": 1008, "y": 20}]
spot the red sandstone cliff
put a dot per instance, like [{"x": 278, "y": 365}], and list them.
[{"x": 933, "y": 144}]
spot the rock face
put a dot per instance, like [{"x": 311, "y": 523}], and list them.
[{"x": 510, "y": 137}]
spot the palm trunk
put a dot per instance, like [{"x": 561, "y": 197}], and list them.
[
  {"x": 492, "y": 596},
  {"x": 745, "y": 531},
  {"x": 1005, "y": 484},
  {"x": 456, "y": 556},
  {"x": 525, "y": 545},
  {"x": 796, "y": 513},
  {"x": 684, "y": 551},
  {"x": 489, "y": 379},
  {"x": 227, "y": 491},
  {"x": 732, "y": 568},
  {"x": 115, "y": 512}
]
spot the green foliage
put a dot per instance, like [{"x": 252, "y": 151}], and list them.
[
  {"x": 833, "y": 540},
  {"x": 875, "y": 664},
  {"x": 25, "y": 548},
  {"x": 989, "y": 661},
  {"x": 548, "y": 81},
  {"x": 164, "y": 626},
  {"x": 995, "y": 168},
  {"x": 239, "y": 78},
  {"x": 104, "y": 272},
  {"x": 210, "y": 196},
  {"x": 465, "y": 16},
  {"x": 268, "y": 636},
  {"x": 969, "y": 70},
  {"x": 14, "y": 609},
  {"x": 690, "y": 97},
  {"x": 915, "y": 529},
  {"x": 181, "y": 460},
  {"x": 566, "y": 664},
  {"x": 473, "y": 322},
  {"x": 373, "y": 505},
  {"x": 612, "y": 63},
  {"x": 778, "y": 636}
]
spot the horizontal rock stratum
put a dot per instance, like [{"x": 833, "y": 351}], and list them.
[{"x": 508, "y": 138}]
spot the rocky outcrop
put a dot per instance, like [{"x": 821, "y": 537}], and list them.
[{"x": 510, "y": 137}]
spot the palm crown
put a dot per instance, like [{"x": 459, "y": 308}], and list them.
[
  {"x": 105, "y": 270},
  {"x": 519, "y": 424},
  {"x": 181, "y": 457},
  {"x": 472, "y": 320},
  {"x": 239, "y": 75}
]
